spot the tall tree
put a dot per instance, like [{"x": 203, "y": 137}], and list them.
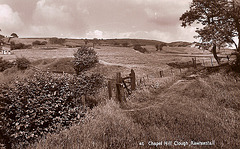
[
  {"x": 220, "y": 20},
  {"x": 14, "y": 35}
]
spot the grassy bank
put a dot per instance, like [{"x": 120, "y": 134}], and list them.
[{"x": 198, "y": 109}]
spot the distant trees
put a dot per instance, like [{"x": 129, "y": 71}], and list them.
[
  {"x": 37, "y": 42},
  {"x": 139, "y": 48},
  {"x": 220, "y": 20},
  {"x": 95, "y": 41},
  {"x": 125, "y": 44},
  {"x": 86, "y": 41},
  {"x": 159, "y": 46},
  {"x": 14, "y": 45},
  {"x": 56, "y": 40}
]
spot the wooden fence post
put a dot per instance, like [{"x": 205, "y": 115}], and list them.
[
  {"x": 83, "y": 98},
  {"x": 211, "y": 61},
  {"x": 110, "y": 89},
  {"x": 180, "y": 70},
  {"x": 119, "y": 78},
  {"x": 120, "y": 92},
  {"x": 194, "y": 62},
  {"x": 133, "y": 80},
  {"x": 203, "y": 63},
  {"x": 161, "y": 73},
  {"x": 119, "y": 87}
]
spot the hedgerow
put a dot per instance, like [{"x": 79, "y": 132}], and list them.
[{"x": 41, "y": 104}]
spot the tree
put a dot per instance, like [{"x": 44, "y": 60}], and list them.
[
  {"x": 125, "y": 44},
  {"x": 160, "y": 46},
  {"x": 84, "y": 59},
  {"x": 220, "y": 20},
  {"x": 14, "y": 35},
  {"x": 86, "y": 41},
  {"x": 95, "y": 42}
]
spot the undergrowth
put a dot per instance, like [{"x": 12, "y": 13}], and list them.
[
  {"x": 42, "y": 103},
  {"x": 202, "y": 109}
]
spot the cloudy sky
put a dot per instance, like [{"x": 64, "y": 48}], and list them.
[{"x": 145, "y": 19}]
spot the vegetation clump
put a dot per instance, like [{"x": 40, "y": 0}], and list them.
[
  {"x": 22, "y": 63},
  {"x": 42, "y": 104},
  {"x": 236, "y": 63},
  {"x": 55, "y": 40},
  {"x": 84, "y": 59},
  {"x": 140, "y": 48},
  {"x": 4, "y": 64},
  {"x": 37, "y": 42},
  {"x": 125, "y": 44},
  {"x": 15, "y": 46}
]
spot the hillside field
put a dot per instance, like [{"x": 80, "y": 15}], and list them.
[{"x": 187, "y": 104}]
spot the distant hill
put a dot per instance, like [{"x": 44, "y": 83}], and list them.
[
  {"x": 179, "y": 44},
  {"x": 114, "y": 42}
]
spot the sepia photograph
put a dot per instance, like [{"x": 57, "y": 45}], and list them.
[{"x": 119, "y": 74}]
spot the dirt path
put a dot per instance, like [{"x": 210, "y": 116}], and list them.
[{"x": 161, "y": 98}]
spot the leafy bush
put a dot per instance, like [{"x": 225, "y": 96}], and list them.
[
  {"x": 4, "y": 64},
  {"x": 43, "y": 42},
  {"x": 125, "y": 44},
  {"x": 116, "y": 44},
  {"x": 22, "y": 63},
  {"x": 85, "y": 58},
  {"x": 236, "y": 63},
  {"x": 55, "y": 40},
  {"x": 139, "y": 48},
  {"x": 1, "y": 36},
  {"x": 41, "y": 104},
  {"x": 159, "y": 47},
  {"x": 14, "y": 46},
  {"x": 37, "y": 42}
]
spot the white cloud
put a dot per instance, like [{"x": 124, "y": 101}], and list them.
[
  {"x": 149, "y": 19},
  {"x": 95, "y": 34},
  {"x": 56, "y": 19},
  {"x": 10, "y": 20}
]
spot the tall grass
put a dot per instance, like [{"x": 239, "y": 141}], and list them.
[
  {"x": 202, "y": 109},
  {"x": 107, "y": 126}
]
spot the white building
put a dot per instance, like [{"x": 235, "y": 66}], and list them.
[{"x": 5, "y": 50}]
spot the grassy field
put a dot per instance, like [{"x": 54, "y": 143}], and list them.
[
  {"x": 194, "y": 105},
  {"x": 182, "y": 110}
]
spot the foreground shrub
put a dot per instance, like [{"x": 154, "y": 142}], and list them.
[
  {"x": 106, "y": 125},
  {"x": 236, "y": 63},
  {"x": 84, "y": 59},
  {"x": 42, "y": 104},
  {"x": 4, "y": 64},
  {"x": 22, "y": 63}
]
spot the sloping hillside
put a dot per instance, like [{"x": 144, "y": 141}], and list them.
[{"x": 187, "y": 111}]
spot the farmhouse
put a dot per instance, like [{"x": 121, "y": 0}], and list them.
[{"x": 5, "y": 50}]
